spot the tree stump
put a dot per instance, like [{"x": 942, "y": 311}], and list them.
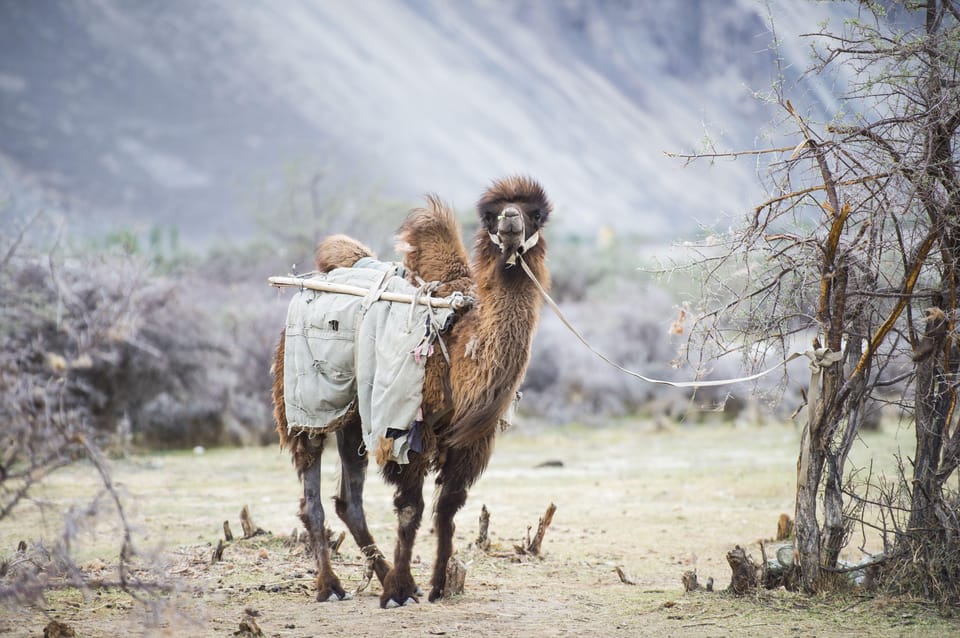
[
  {"x": 249, "y": 628},
  {"x": 483, "y": 542},
  {"x": 744, "y": 578},
  {"x": 217, "y": 553},
  {"x": 533, "y": 546},
  {"x": 456, "y": 577},
  {"x": 689, "y": 580},
  {"x": 250, "y": 529},
  {"x": 334, "y": 542},
  {"x": 784, "y": 527}
]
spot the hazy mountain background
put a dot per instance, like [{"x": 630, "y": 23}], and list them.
[{"x": 124, "y": 114}]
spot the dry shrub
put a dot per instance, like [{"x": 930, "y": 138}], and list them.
[
  {"x": 93, "y": 340},
  {"x": 922, "y": 562},
  {"x": 75, "y": 334}
]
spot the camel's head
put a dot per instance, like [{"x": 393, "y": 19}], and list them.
[{"x": 512, "y": 212}]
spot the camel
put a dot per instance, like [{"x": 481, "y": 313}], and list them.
[{"x": 463, "y": 400}]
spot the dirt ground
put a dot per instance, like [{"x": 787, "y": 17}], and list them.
[{"x": 653, "y": 502}]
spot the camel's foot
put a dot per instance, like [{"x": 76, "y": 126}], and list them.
[
  {"x": 436, "y": 589},
  {"x": 331, "y": 591},
  {"x": 334, "y": 597},
  {"x": 392, "y": 604},
  {"x": 399, "y": 589}
]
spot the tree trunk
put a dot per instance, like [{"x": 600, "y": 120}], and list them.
[
  {"x": 933, "y": 405},
  {"x": 809, "y": 471},
  {"x": 814, "y": 447}
]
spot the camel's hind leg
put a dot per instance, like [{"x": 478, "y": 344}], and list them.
[
  {"x": 399, "y": 586},
  {"x": 311, "y": 513},
  {"x": 349, "y": 500}
]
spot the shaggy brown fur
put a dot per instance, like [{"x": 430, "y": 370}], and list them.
[
  {"x": 489, "y": 348},
  {"x": 336, "y": 250}
]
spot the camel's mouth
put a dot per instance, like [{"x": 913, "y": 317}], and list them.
[{"x": 511, "y": 235}]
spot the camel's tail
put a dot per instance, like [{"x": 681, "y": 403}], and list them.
[
  {"x": 340, "y": 251},
  {"x": 432, "y": 249}
]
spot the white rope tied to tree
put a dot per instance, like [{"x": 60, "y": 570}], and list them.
[{"x": 676, "y": 384}]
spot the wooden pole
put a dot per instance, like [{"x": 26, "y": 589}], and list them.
[{"x": 322, "y": 285}]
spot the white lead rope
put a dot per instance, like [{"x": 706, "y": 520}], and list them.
[{"x": 818, "y": 359}]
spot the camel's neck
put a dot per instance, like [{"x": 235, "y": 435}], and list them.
[
  {"x": 510, "y": 303},
  {"x": 495, "y": 342}
]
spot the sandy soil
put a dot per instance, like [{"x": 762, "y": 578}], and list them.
[{"x": 655, "y": 503}]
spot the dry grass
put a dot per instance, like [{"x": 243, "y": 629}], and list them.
[{"x": 655, "y": 503}]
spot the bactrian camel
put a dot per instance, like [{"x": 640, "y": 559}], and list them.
[{"x": 463, "y": 401}]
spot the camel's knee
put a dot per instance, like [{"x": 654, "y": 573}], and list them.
[
  {"x": 342, "y": 508},
  {"x": 311, "y": 513},
  {"x": 449, "y": 503},
  {"x": 409, "y": 515},
  {"x": 349, "y": 512}
]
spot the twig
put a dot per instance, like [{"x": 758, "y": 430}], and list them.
[
  {"x": 877, "y": 560},
  {"x": 814, "y": 189},
  {"x": 849, "y": 607},
  {"x": 625, "y": 578},
  {"x": 11, "y": 251},
  {"x": 733, "y": 154}
]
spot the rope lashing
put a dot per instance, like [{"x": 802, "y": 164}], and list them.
[{"x": 372, "y": 554}]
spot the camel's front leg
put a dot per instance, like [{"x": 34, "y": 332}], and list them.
[
  {"x": 311, "y": 513},
  {"x": 399, "y": 587},
  {"x": 459, "y": 471}
]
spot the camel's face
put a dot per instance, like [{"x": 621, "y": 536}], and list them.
[{"x": 513, "y": 212}]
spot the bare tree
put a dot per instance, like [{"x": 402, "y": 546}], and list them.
[{"x": 858, "y": 249}]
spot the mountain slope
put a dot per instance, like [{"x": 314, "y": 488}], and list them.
[{"x": 174, "y": 112}]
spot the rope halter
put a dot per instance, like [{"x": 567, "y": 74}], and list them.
[{"x": 523, "y": 248}]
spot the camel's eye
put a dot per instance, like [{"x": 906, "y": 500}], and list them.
[{"x": 536, "y": 215}]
